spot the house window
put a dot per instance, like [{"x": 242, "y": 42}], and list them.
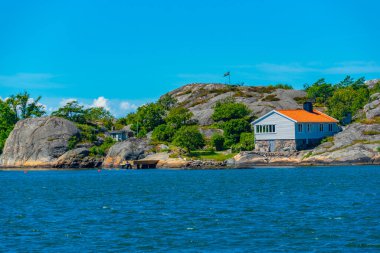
[
  {"x": 300, "y": 128},
  {"x": 309, "y": 127},
  {"x": 265, "y": 129},
  {"x": 321, "y": 127},
  {"x": 330, "y": 127}
]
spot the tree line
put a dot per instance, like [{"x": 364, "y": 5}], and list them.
[{"x": 345, "y": 97}]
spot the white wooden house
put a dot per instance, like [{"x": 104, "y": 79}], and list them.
[{"x": 289, "y": 130}]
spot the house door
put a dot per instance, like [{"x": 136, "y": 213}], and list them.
[{"x": 272, "y": 145}]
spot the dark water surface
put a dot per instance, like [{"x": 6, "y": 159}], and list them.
[{"x": 299, "y": 209}]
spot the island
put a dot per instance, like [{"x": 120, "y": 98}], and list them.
[{"x": 202, "y": 125}]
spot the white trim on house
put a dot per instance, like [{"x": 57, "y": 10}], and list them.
[{"x": 268, "y": 114}]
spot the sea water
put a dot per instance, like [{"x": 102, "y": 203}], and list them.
[{"x": 253, "y": 210}]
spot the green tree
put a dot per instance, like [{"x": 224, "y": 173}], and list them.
[
  {"x": 167, "y": 101},
  {"x": 24, "y": 106},
  {"x": 233, "y": 129},
  {"x": 163, "y": 133},
  {"x": 148, "y": 117},
  {"x": 229, "y": 109},
  {"x": 320, "y": 91},
  {"x": 347, "y": 100},
  {"x": 99, "y": 116},
  {"x": 72, "y": 111},
  {"x": 178, "y": 117},
  {"x": 347, "y": 81},
  {"x": 189, "y": 138},
  {"x": 217, "y": 141},
  {"x": 7, "y": 122},
  {"x": 359, "y": 84}
]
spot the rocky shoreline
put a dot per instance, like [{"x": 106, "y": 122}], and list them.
[{"x": 44, "y": 143}]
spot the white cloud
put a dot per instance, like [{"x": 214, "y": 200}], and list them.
[
  {"x": 101, "y": 102},
  {"x": 127, "y": 106},
  {"x": 29, "y": 81},
  {"x": 64, "y": 101}
]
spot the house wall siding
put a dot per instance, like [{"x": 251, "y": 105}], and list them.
[
  {"x": 285, "y": 128},
  {"x": 315, "y": 132}
]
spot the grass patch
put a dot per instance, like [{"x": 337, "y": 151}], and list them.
[
  {"x": 371, "y": 132},
  {"x": 308, "y": 155},
  {"x": 375, "y": 120},
  {"x": 271, "y": 97},
  {"x": 240, "y": 93},
  {"x": 365, "y": 142},
  {"x": 349, "y": 145},
  {"x": 184, "y": 93},
  {"x": 210, "y": 155},
  {"x": 262, "y": 89},
  {"x": 327, "y": 139}
]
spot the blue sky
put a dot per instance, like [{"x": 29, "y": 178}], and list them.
[{"x": 121, "y": 54}]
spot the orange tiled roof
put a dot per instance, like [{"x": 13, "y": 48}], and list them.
[{"x": 301, "y": 115}]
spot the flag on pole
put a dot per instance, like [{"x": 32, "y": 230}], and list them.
[{"x": 226, "y": 74}]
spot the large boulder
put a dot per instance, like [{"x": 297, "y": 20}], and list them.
[
  {"x": 372, "y": 109},
  {"x": 36, "y": 142},
  {"x": 78, "y": 158},
  {"x": 371, "y": 83},
  {"x": 356, "y": 144},
  {"x": 131, "y": 149}
]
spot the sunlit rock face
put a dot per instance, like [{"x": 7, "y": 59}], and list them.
[{"x": 37, "y": 142}]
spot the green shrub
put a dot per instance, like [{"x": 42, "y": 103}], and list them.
[
  {"x": 163, "y": 133},
  {"x": 73, "y": 141},
  {"x": 178, "y": 117},
  {"x": 283, "y": 86},
  {"x": 327, "y": 139},
  {"x": 102, "y": 149},
  {"x": 233, "y": 128},
  {"x": 229, "y": 109},
  {"x": 189, "y": 138},
  {"x": 217, "y": 142},
  {"x": 142, "y": 132},
  {"x": 236, "y": 148},
  {"x": 87, "y": 133},
  {"x": 308, "y": 155},
  {"x": 247, "y": 141}
]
